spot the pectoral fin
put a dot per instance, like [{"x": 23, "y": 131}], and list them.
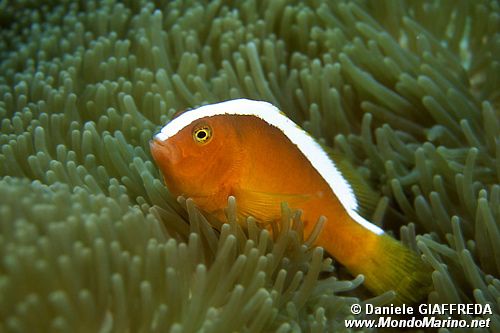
[{"x": 265, "y": 206}]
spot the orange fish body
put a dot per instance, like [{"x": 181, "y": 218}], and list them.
[{"x": 250, "y": 150}]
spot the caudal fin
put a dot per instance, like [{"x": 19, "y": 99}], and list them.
[{"x": 392, "y": 266}]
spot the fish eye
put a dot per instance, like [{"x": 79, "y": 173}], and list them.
[{"x": 202, "y": 134}]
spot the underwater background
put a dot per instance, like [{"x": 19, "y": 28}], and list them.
[{"x": 92, "y": 241}]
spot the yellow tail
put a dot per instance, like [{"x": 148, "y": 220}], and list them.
[{"x": 392, "y": 266}]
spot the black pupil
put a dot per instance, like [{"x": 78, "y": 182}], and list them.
[{"x": 201, "y": 134}]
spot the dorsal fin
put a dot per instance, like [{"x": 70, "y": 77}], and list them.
[{"x": 367, "y": 198}]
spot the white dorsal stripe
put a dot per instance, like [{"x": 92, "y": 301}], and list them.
[{"x": 318, "y": 158}]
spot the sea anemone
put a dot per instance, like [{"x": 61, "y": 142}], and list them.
[{"x": 90, "y": 238}]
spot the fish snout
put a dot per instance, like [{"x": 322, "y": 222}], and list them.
[{"x": 164, "y": 152}]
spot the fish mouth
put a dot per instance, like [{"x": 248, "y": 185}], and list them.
[
  {"x": 154, "y": 143},
  {"x": 163, "y": 152},
  {"x": 155, "y": 147}
]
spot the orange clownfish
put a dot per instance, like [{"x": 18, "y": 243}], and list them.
[{"x": 252, "y": 151}]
